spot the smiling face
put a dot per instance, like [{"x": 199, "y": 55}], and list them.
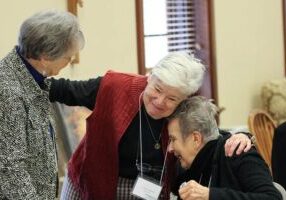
[
  {"x": 185, "y": 149},
  {"x": 160, "y": 100}
]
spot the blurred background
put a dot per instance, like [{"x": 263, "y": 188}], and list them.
[{"x": 241, "y": 42}]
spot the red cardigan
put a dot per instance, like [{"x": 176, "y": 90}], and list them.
[{"x": 93, "y": 168}]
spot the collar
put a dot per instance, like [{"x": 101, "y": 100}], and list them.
[
  {"x": 38, "y": 77},
  {"x": 201, "y": 167}
]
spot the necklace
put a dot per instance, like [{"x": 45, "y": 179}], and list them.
[{"x": 157, "y": 144}]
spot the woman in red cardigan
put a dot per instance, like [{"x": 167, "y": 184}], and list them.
[{"x": 126, "y": 134}]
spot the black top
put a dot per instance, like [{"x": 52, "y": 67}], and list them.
[
  {"x": 240, "y": 177},
  {"x": 279, "y": 156},
  {"x": 200, "y": 170},
  {"x": 75, "y": 93},
  {"x": 84, "y": 93}
]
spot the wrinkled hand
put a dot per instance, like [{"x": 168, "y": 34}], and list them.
[
  {"x": 194, "y": 191},
  {"x": 236, "y": 140}
]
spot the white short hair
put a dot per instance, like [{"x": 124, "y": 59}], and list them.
[{"x": 180, "y": 70}]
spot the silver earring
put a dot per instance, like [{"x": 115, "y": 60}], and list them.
[{"x": 44, "y": 73}]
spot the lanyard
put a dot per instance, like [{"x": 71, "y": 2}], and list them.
[{"x": 140, "y": 139}]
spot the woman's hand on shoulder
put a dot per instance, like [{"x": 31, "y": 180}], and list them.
[{"x": 239, "y": 142}]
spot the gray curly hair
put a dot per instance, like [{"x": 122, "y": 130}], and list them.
[{"x": 197, "y": 114}]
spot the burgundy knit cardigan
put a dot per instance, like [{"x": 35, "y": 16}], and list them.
[{"x": 93, "y": 168}]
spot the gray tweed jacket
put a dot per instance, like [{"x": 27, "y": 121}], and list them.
[{"x": 28, "y": 168}]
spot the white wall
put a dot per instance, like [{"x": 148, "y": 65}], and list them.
[
  {"x": 109, "y": 28},
  {"x": 14, "y": 12},
  {"x": 249, "y": 51},
  {"x": 249, "y": 44}
]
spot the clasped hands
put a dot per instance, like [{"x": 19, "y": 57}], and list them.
[{"x": 193, "y": 191}]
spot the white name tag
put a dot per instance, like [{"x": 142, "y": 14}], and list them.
[{"x": 146, "y": 189}]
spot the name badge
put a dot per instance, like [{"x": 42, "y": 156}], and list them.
[{"x": 146, "y": 189}]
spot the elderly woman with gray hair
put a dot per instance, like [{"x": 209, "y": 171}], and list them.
[
  {"x": 210, "y": 175},
  {"x": 28, "y": 165},
  {"x": 126, "y": 138}
]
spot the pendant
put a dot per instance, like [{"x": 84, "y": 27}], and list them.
[{"x": 157, "y": 146}]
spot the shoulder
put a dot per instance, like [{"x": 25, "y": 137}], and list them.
[
  {"x": 10, "y": 60},
  {"x": 9, "y": 79},
  {"x": 248, "y": 160},
  {"x": 119, "y": 76},
  {"x": 12, "y": 104},
  {"x": 10, "y": 90},
  {"x": 252, "y": 154},
  {"x": 118, "y": 79},
  {"x": 10, "y": 86},
  {"x": 12, "y": 95}
]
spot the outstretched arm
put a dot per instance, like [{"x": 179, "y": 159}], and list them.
[{"x": 74, "y": 93}]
